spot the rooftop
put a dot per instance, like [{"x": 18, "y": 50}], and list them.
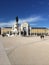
[{"x": 38, "y": 27}]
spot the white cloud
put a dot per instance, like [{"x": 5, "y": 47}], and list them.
[
  {"x": 29, "y": 19},
  {"x": 33, "y": 24},
  {"x": 7, "y": 24}
]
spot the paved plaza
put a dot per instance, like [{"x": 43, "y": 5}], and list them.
[{"x": 24, "y": 50}]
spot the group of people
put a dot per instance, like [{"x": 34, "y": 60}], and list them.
[{"x": 42, "y": 36}]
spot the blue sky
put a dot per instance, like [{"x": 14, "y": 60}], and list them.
[{"x": 35, "y": 12}]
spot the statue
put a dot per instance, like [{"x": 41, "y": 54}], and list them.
[{"x": 17, "y": 19}]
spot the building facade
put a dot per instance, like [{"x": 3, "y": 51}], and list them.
[
  {"x": 48, "y": 31},
  {"x": 25, "y": 29},
  {"x": 39, "y": 31},
  {"x": 6, "y": 30}
]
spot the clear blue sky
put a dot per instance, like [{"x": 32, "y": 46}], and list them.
[{"x": 35, "y": 12}]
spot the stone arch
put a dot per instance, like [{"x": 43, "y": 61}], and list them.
[{"x": 25, "y": 28}]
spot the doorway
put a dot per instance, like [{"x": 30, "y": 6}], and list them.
[{"x": 24, "y": 31}]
